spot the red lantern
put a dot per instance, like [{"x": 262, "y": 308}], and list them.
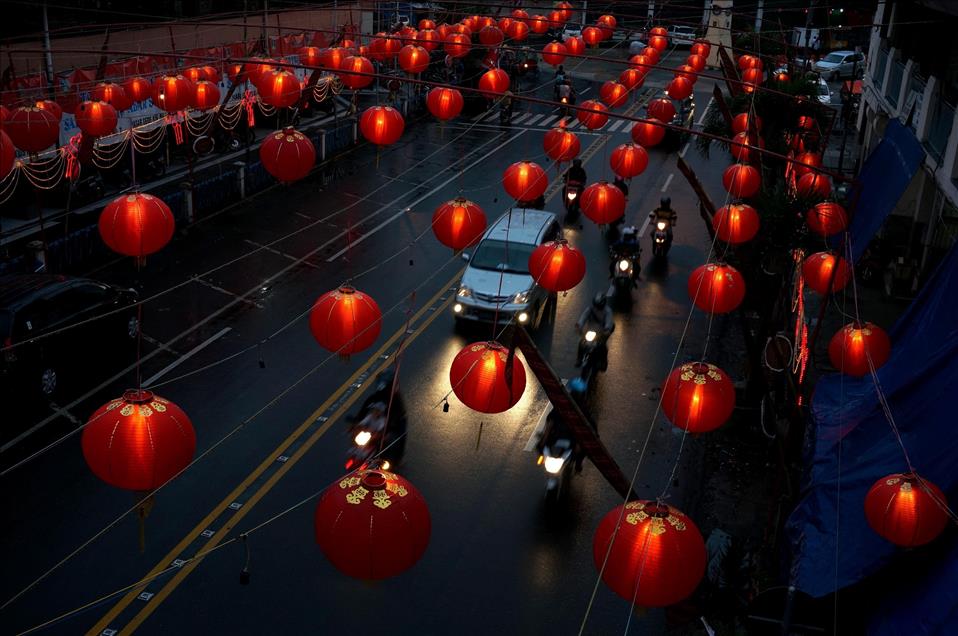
[
  {"x": 607, "y": 20},
  {"x": 561, "y": 145},
  {"x": 813, "y": 185},
  {"x": 566, "y": 9},
  {"x": 381, "y": 125},
  {"x": 517, "y": 31},
  {"x": 525, "y": 181},
  {"x": 287, "y": 154},
  {"x": 806, "y": 162},
  {"x": 112, "y": 94},
  {"x": 658, "y": 30},
  {"x": 444, "y": 103},
  {"x": 603, "y": 202},
  {"x": 407, "y": 35},
  {"x": 136, "y": 224},
  {"x": 280, "y": 89},
  {"x": 139, "y": 89},
  {"x": 827, "y": 218},
  {"x": 740, "y": 147},
  {"x": 345, "y": 321},
  {"x": 679, "y": 88},
  {"x": 736, "y": 223},
  {"x": 700, "y": 48},
  {"x": 659, "y": 43},
  {"x": 557, "y": 266},
  {"x": 458, "y": 45},
  {"x": 413, "y": 59},
  {"x": 651, "y": 54},
  {"x": 7, "y": 154},
  {"x": 426, "y": 23},
  {"x": 554, "y": 53},
  {"x": 443, "y": 31},
  {"x": 485, "y": 21},
  {"x": 557, "y": 19},
  {"x": 592, "y": 36},
  {"x": 698, "y": 397},
  {"x": 613, "y": 94},
  {"x": 907, "y": 510},
  {"x": 782, "y": 77},
  {"x": 458, "y": 223},
  {"x": 96, "y": 118},
  {"x": 356, "y": 72},
  {"x": 491, "y": 36},
  {"x": 631, "y": 78},
  {"x": 310, "y": 56},
  {"x": 741, "y": 180},
  {"x": 333, "y": 58},
  {"x": 807, "y": 123},
  {"x": 687, "y": 72},
  {"x": 51, "y": 107},
  {"x": 539, "y": 24},
  {"x": 641, "y": 63},
  {"x": 480, "y": 379},
  {"x": 752, "y": 76},
  {"x": 428, "y": 39},
  {"x": 697, "y": 62},
  {"x": 661, "y": 109},
  {"x": 205, "y": 95},
  {"x": 650, "y": 554},
  {"x": 716, "y": 288},
  {"x": 519, "y": 15},
  {"x": 504, "y": 24},
  {"x": 592, "y": 114},
  {"x": 377, "y": 49},
  {"x": 629, "y": 160},
  {"x": 574, "y": 46},
  {"x": 263, "y": 65},
  {"x": 648, "y": 133},
  {"x": 748, "y": 61},
  {"x": 32, "y": 129},
  {"x": 851, "y": 347},
  {"x": 172, "y": 93},
  {"x": 817, "y": 271},
  {"x": 494, "y": 82},
  {"x": 740, "y": 123},
  {"x": 138, "y": 442},
  {"x": 372, "y": 525}
]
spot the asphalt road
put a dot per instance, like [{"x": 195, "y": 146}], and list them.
[{"x": 498, "y": 560}]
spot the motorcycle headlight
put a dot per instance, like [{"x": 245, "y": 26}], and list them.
[
  {"x": 589, "y": 336},
  {"x": 554, "y": 465},
  {"x": 571, "y": 194},
  {"x": 623, "y": 265},
  {"x": 464, "y": 292},
  {"x": 520, "y": 298},
  {"x": 362, "y": 438},
  {"x": 660, "y": 225}
]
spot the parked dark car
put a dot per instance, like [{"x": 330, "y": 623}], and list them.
[{"x": 32, "y": 305}]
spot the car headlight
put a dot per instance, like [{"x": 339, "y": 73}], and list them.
[
  {"x": 464, "y": 292},
  {"x": 520, "y": 298},
  {"x": 623, "y": 265},
  {"x": 554, "y": 465}
]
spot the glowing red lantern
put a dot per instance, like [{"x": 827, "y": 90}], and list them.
[
  {"x": 648, "y": 133},
  {"x": 51, "y": 107},
  {"x": 556, "y": 19},
  {"x": 486, "y": 378},
  {"x": 742, "y": 146},
  {"x": 381, "y": 125},
  {"x": 700, "y": 48},
  {"x": 907, "y": 510},
  {"x": 517, "y": 31},
  {"x": 345, "y": 321},
  {"x": 806, "y": 162},
  {"x": 491, "y": 36},
  {"x": 443, "y": 31},
  {"x": 356, "y": 72},
  {"x": 629, "y": 160},
  {"x": 96, "y": 118},
  {"x": 557, "y": 266},
  {"x": 566, "y": 9},
  {"x": 603, "y": 203},
  {"x": 426, "y": 23},
  {"x": 372, "y": 524},
  {"x": 554, "y": 53},
  {"x": 444, "y": 103},
  {"x": 486, "y": 20},
  {"x": 205, "y": 95},
  {"x": 138, "y": 442},
  {"x": 139, "y": 89},
  {"x": 458, "y": 223},
  {"x": 574, "y": 46},
  {"x": 781, "y": 77},
  {"x": 697, "y": 62},
  {"x": 539, "y": 24},
  {"x": 112, "y": 94},
  {"x": 519, "y": 15},
  {"x": 311, "y": 56},
  {"x": 287, "y": 154},
  {"x": 7, "y": 154},
  {"x": 817, "y": 271},
  {"x": 172, "y": 93},
  {"x": 651, "y": 54},
  {"x": 504, "y": 24},
  {"x": 741, "y": 180},
  {"x": 631, "y": 78},
  {"x": 136, "y": 224},
  {"x": 525, "y": 181},
  {"x": 659, "y": 42},
  {"x": 613, "y": 94},
  {"x": 687, "y": 72},
  {"x": 807, "y": 123},
  {"x": 377, "y": 49},
  {"x": 659, "y": 30},
  {"x": 32, "y": 129},
  {"x": 280, "y": 89},
  {"x": 494, "y": 82},
  {"x": 265, "y": 65},
  {"x": 592, "y": 114},
  {"x": 458, "y": 45},
  {"x": 716, "y": 288},
  {"x": 851, "y": 347},
  {"x": 679, "y": 88},
  {"x": 592, "y": 35},
  {"x": 333, "y": 58},
  {"x": 661, "y": 109},
  {"x": 826, "y": 218},
  {"x": 561, "y": 145},
  {"x": 752, "y": 76},
  {"x": 407, "y": 35},
  {"x": 428, "y": 39},
  {"x": 413, "y": 59},
  {"x": 736, "y": 223},
  {"x": 748, "y": 61},
  {"x": 641, "y": 64},
  {"x": 650, "y": 554},
  {"x": 813, "y": 185},
  {"x": 698, "y": 397},
  {"x": 740, "y": 123}
]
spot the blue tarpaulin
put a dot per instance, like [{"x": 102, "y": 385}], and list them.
[
  {"x": 852, "y": 445},
  {"x": 883, "y": 179}
]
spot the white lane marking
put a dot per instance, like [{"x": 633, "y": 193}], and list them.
[
  {"x": 545, "y": 122},
  {"x": 667, "y": 182},
  {"x": 534, "y": 119},
  {"x": 616, "y": 125},
  {"x": 406, "y": 209},
  {"x": 537, "y": 431},
  {"x": 572, "y": 125},
  {"x": 271, "y": 250},
  {"x": 685, "y": 149},
  {"x": 705, "y": 111},
  {"x": 521, "y": 118},
  {"x": 492, "y": 115},
  {"x": 186, "y": 356},
  {"x": 645, "y": 226}
]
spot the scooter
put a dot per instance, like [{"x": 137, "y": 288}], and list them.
[
  {"x": 571, "y": 197},
  {"x": 594, "y": 357},
  {"x": 366, "y": 446},
  {"x": 556, "y": 458},
  {"x": 661, "y": 239},
  {"x": 625, "y": 271}
]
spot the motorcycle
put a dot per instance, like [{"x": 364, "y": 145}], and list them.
[
  {"x": 661, "y": 238},
  {"x": 378, "y": 432},
  {"x": 571, "y": 196},
  {"x": 625, "y": 272},
  {"x": 594, "y": 357},
  {"x": 556, "y": 458}
]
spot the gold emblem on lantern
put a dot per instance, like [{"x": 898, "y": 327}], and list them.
[
  {"x": 675, "y": 522},
  {"x": 145, "y": 411},
  {"x": 112, "y": 405},
  {"x": 158, "y": 407},
  {"x": 349, "y": 482},
  {"x": 357, "y": 495},
  {"x": 127, "y": 410},
  {"x": 381, "y": 499},
  {"x": 657, "y": 526}
]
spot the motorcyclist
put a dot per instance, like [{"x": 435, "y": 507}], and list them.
[
  {"x": 384, "y": 408},
  {"x": 596, "y": 317},
  {"x": 665, "y": 213},
  {"x": 626, "y": 246},
  {"x": 575, "y": 172},
  {"x": 620, "y": 183},
  {"x": 506, "y": 105},
  {"x": 556, "y": 428}
]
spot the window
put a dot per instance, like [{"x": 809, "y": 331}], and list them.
[
  {"x": 551, "y": 233},
  {"x": 75, "y": 300},
  {"x": 835, "y": 58},
  {"x": 502, "y": 256}
]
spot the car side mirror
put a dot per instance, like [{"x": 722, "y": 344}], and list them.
[{"x": 466, "y": 256}]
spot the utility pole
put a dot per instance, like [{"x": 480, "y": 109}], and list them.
[
  {"x": 759, "y": 10},
  {"x": 48, "y": 55},
  {"x": 651, "y": 9}
]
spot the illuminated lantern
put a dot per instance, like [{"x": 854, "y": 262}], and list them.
[
  {"x": 480, "y": 379},
  {"x": 443, "y": 31},
  {"x": 781, "y": 77},
  {"x": 457, "y": 44},
  {"x": 377, "y": 49},
  {"x": 740, "y": 123},
  {"x": 311, "y": 56},
  {"x": 458, "y": 223},
  {"x": 603, "y": 203},
  {"x": 817, "y": 271},
  {"x": 345, "y": 321},
  {"x": 613, "y": 94},
  {"x": 51, "y": 107},
  {"x": 205, "y": 95},
  {"x": 407, "y": 35},
  {"x": 716, "y": 288},
  {"x": 752, "y": 76},
  {"x": 561, "y": 145},
  {"x": 237, "y": 72},
  {"x": 813, "y": 185},
  {"x": 381, "y": 125},
  {"x": 96, "y": 118},
  {"x": 650, "y": 554},
  {"x": 805, "y": 162},
  {"x": 112, "y": 94},
  {"x": 7, "y": 154},
  {"x": 592, "y": 114},
  {"x": 556, "y": 19},
  {"x": 687, "y": 72},
  {"x": 356, "y": 72},
  {"x": 136, "y": 224},
  {"x": 679, "y": 88},
  {"x": 444, "y": 103},
  {"x": 592, "y": 35},
  {"x": 607, "y": 20},
  {"x": 826, "y": 218},
  {"x": 494, "y": 82},
  {"x": 504, "y": 24},
  {"x": 138, "y": 442},
  {"x": 287, "y": 154},
  {"x": 629, "y": 160},
  {"x": 741, "y": 180},
  {"x": 651, "y": 54},
  {"x": 554, "y": 53},
  {"x": 426, "y": 23},
  {"x": 641, "y": 64},
  {"x": 172, "y": 93},
  {"x": 661, "y": 109},
  {"x": 265, "y": 65},
  {"x": 698, "y": 397},
  {"x": 632, "y": 78},
  {"x": 518, "y": 15},
  {"x": 517, "y": 31},
  {"x": 905, "y": 509},
  {"x": 739, "y": 147},
  {"x": 280, "y": 89},
  {"x": 557, "y": 266},
  {"x": 697, "y": 62},
  {"x": 333, "y": 58},
  {"x": 428, "y": 39},
  {"x": 700, "y": 48},
  {"x": 736, "y": 223},
  {"x": 659, "y": 30},
  {"x": 486, "y": 20},
  {"x": 413, "y": 59},
  {"x": 648, "y": 133},
  {"x": 491, "y": 36},
  {"x": 139, "y": 89},
  {"x": 807, "y": 123},
  {"x": 659, "y": 43},
  {"x": 851, "y": 347},
  {"x": 574, "y": 46},
  {"x": 749, "y": 61},
  {"x": 566, "y": 9},
  {"x": 525, "y": 181},
  {"x": 372, "y": 524},
  {"x": 198, "y": 73},
  {"x": 539, "y": 24}
]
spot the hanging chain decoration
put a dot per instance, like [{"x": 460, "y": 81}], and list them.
[
  {"x": 230, "y": 115},
  {"x": 198, "y": 122},
  {"x": 322, "y": 88},
  {"x": 266, "y": 109},
  {"x": 105, "y": 156},
  {"x": 8, "y": 185},
  {"x": 45, "y": 175},
  {"x": 146, "y": 141}
]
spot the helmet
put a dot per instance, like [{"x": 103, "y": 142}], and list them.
[
  {"x": 577, "y": 386},
  {"x": 599, "y": 300},
  {"x": 629, "y": 230},
  {"x": 577, "y": 163},
  {"x": 666, "y": 202}
]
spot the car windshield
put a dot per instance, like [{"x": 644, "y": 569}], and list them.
[
  {"x": 502, "y": 256},
  {"x": 834, "y": 58}
]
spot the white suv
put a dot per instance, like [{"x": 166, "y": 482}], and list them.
[{"x": 497, "y": 284}]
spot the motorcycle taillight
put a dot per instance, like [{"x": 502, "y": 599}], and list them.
[{"x": 9, "y": 354}]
